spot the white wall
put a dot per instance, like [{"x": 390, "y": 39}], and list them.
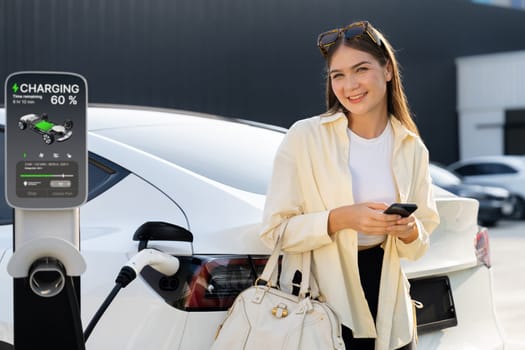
[{"x": 487, "y": 86}]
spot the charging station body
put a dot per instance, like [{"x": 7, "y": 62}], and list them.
[{"x": 46, "y": 183}]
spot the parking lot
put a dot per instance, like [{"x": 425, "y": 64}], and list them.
[{"x": 508, "y": 266}]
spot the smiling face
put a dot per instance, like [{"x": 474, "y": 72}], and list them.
[{"x": 359, "y": 82}]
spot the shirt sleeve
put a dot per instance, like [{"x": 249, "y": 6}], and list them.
[
  {"x": 284, "y": 213},
  {"x": 427, "y": 217}
]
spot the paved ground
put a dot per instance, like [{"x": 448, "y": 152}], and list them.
[{"x": 508, "y": 268}]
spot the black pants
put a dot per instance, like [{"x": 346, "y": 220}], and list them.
[{"x": 370, "y": 262}]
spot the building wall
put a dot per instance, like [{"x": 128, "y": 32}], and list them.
[
  {"x": 488, "y": 87},
  {"x": 252, "y": 59}
]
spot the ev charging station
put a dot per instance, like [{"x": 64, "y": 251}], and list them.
[{"x": 46, "y": 183}]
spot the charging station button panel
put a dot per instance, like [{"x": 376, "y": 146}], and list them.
[{"x": 47, "y": 179}]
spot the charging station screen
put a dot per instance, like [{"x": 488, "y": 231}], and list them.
[{"x": 46, "y": 156}]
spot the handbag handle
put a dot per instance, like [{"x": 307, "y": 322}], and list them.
[{"x": 274, "y": 258}]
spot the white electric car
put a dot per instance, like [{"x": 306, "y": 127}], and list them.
[{"x": 209, "y": 175}]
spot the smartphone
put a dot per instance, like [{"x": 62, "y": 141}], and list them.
[{"x": 403, "y": 209}]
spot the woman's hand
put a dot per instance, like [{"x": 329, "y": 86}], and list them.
[
  {"x": 405, "y": 229},
  {"x": 368, "y": 218}
]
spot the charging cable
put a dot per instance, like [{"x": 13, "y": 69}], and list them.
[{"x": 162, "y": 262}]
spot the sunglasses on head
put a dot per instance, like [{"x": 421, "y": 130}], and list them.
[{"x": 327, "y": 39}]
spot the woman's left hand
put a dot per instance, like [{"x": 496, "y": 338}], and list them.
[{"x": 405, "y": 229}]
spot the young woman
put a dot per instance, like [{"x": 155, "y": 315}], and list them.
[{"x": 333, "y": 177}]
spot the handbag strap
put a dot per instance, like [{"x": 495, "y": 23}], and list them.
[
  {"x": 305, "y": 278},
  {"x": 271, "y": 264},
  {"x": 274, "y": 258}
]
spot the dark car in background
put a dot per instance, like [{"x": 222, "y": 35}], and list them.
[{"x": 495, "y": 203}]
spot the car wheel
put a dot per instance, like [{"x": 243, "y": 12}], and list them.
[
  {"x": 68, "y": 124},
  {"x": 48, "y": 139},
  {"x": 22, "y": 125},
  {"x": 519, "y": 208}
]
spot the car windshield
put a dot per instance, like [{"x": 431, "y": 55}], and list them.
[{"x": 442, "y": 177}]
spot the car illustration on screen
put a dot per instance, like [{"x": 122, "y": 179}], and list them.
[{"x": 49, "y": 130}]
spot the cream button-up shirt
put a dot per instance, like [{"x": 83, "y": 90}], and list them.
[{"x": 310, "y": 177}]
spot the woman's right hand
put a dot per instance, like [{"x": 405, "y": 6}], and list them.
[{"x": 367, "y": 218}]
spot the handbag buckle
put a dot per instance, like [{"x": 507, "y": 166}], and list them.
[
  {"x": 280, "y": 311},
  {"x": 260, "y": 282}
]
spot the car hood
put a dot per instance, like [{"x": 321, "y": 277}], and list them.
[
  {"x": 2, "y": 254},
  {"x": 6, "y": 241},
  {"x": 478, "y": 191}
]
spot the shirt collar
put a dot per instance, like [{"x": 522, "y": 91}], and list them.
[
  {"x": 332, "y": 117},
  {"x": 400, "y": 131}
]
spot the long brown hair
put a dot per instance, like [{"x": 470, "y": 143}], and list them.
[{"x": 384, "y": 53}]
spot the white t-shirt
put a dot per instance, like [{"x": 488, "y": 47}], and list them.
[{"x": 370, "y": 162}]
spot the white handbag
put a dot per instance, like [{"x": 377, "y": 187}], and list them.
[{"x": 263, "y": 317}]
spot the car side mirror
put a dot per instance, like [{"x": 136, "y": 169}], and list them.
[{"x": 160, "y": 231}]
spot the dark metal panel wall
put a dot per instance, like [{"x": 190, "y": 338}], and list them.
[
  {"x": 3, "y": 42},
  {"x": 253, "y": 59}
]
